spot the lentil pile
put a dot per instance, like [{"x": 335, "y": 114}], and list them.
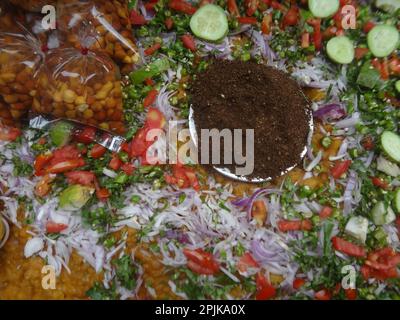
[{"x": 246, "y": 95}]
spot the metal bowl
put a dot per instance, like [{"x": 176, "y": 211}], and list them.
[
  {"x": 227, "y": 173},
  {"x": 4, "y": 231}
]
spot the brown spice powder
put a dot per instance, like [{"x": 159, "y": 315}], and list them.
[{"x": 247, "y": 95}]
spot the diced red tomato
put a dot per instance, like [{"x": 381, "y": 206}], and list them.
[
  {"x": 53, "y": 227},
  {"x": 368, "y": 26},
  {"x": 247, "y": 261},
  {"x": 128, "y": 168},
  {"x": 139, "y": 144},
  {"x": 259, "y": 212},
  {"x": 9, "y": 133},
  {"x": 378, "y": 182},
  {"x": 150, "y": 98},
  {"x": 169, "y": 23},
  {"x": 348, "y": 248},
  {"x": 85, "y": 178},
  {"x": 247, "y": 20},
  {"x": 326, "y": 212},
  {"x": 323, "y": 295},
  {"x": 340, "y": 168},
  {"x": 97, "y": 151},
  {"x": 394, "y": 66},
  {"x": 155, "y": 119},
  {"x": 102, "y": 194},
  {"x": 251, "y": 7},
  {"x": 41, "y": 162},
  {"x": 65, "y": 166},
  {"x": 151, "y": 50},
  {"x": 182, "y": 6},
  {"x": 150, "y": 5},
  {"x": 188, "y": 42},
  {"x": 351, "y": 294},
  {"x": 329, "y": 32},
  {"x": 149, "y": 82},
  {"x": 277, "y": 5},
  {"x": 317, "y": 36},
  {"x": 233, "y": 8},
  {"x": 381, "y": 264},
  {"x": 368, "y": 143},
  {"x": 298, "y": 283},
  {"x": 385, "y": 69},
  {"x": 136, "y": 18},
  {"x": 294, "y": 225},
  {"x": 183, "y": 177},
  {"x": 265, "y": 290},
  {"x": 69, "y": 152},
  {"x": 201, "y": 262},
  {"x": 291, "y": 17},
  {"x": 266, "y": 23},
  {"x": 360, "y": 52},
  {"x": 115, "y": 163},
  {"x": 86, "y": 135}
]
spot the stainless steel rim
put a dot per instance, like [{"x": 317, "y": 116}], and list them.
[{"x": 6, "y": 232}]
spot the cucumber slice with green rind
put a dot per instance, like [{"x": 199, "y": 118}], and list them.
[
  {"x": 390, "y": 142},
  {"x": 340, "y": 49},
  {"x": 210, "y": 23},
  {"x": 323, "y": 8},
  {"x": 60, "y": 133},
  {"x": 397, "y": 200},
  {"x": 383, "y": 40}
]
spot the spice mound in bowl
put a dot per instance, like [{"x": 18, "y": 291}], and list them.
[{"x": 246, "y": 95}]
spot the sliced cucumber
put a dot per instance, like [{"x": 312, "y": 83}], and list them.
[
  {"x": 388, "y": 5},
  {"x": 60, "y": 133},
  {"x": 382, "y": 214},
  {"x": 383, "y": 40},
  {"x": 357, "y": 227},
  {"x": 368, "y": 77},
  {"x": 397, "y": 200},
  {"x": 323, "y": 8},
  {"x": 397, "y": 85},
  {"x": 340, "y": 49},
  {"x": 388, "y": 167},
  {"x": 210, "y": 23},
  {"x": 391, "y": 145}
]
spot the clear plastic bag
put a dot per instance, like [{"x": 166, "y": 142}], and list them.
[
  {"x": 83, "y": 85},
  {"x": 5, "y": 114},
  {"x": 33, "y": 5},
  {"x": 110, "y": 25},
  {"x": 8, "y": 16},
  {"x": 20, "y": 57},
  {"x": 50, "y": 38}
]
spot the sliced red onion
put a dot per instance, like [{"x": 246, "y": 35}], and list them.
[
  {"x": 332, "y": 111},
  {"x": 349, "y": 122},
  {"x": 315, "y": 162},
  {"x": 177, "y": 235}
]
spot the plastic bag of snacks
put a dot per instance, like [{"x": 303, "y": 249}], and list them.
[
  {"x": 50, "y": 38},
  {"x": 33, "y": 5},
  {"x": 8, "y": 16},
  {"x": 83, "y": 85},
  {"x": 5, "y": 114},
  {"x": 110, "y": 24},
  {"x": 20, "y": 57}
]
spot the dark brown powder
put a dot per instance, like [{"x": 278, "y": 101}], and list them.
[{"x": 247, "y": 95}]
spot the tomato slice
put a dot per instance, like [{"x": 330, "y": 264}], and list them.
[
  {"x": 340, "y": 168},
  {"x": 43, "y": 187},
  {"x": 265, "y": 290},
  {"x": 65, "y": 153},
  {"x": 97, "y": 151},
  {"x": 41, "y": 162},
  {"x": 247, "y": 20},
  {"x": 102, "y": 194},
  {"x": 169, "y": 23},
  {"x": 233, "y": 8},
  {"x": 85, "y": 178},
  {"x": 351, "y": 294},
  {"x": 348, "y": 248},
  {"x": 188, "y": 42},
  {"x": 9, "y": 133},
  {"x": 128, "y": 168},
  {"x": 136, "y": 18},
  {"x": 150, "y": 98},
  {"x": 323, "y": 295},
  {"x": 246, "y": 261},
  {"x": 378, "y": 182},
  {"x": 86, "y": 135},
  {"x": 368, "y": 26},
  {"x": 360, "y": 52},
  {"x": 52, "y": 227},
  {"x": 266, "y": 23},
  {"x": 182, "y": 6},
  {"x": 326, "y": 212},
  {"x": 65, "y": 166},
  {"x": 115, "y": 163},
  {"x": 294, "y": 225},
  {"x": 151, "y": 50},
  {"x": 259, "y": 212},
  {"x": 298, "y": 283},
  {"x": 139, "y": 144},
  {"x": 201, "y": 262},
  {"x": 291, "y": 17},
  {"x": 155, "y": 119},
  {"x": 252, "y": 6},
  {"x": 317, "y": 35}
]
